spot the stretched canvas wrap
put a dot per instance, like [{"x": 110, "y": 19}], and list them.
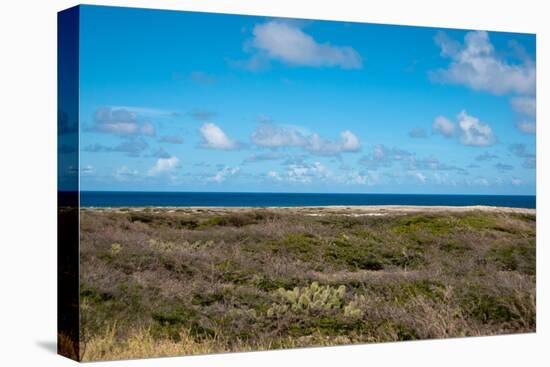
[{"x": 237, "y": 183}]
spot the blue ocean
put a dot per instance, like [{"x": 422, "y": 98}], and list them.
[{"x": 254, "y": 199}]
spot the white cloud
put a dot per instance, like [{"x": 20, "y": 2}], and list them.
[
  {"x": 443, "y": 126},
  {"x": 215, "y": 138},
  {"x": 477, "y": 65},
  {"x": 418, "y": 175},
  {"x": 288, "y": 43},
  {"x": 223, "y": 174},
  {"x": 120, "y": 122},
  {"x": 474, "y": 132},
  {"x": 320, "y": 146},
  {"x": 318, "y": 173},
  {"x": 273, "y": 136},
  {"x": 350, "y": 142},
  {"x": 319, "y": 170},
  {"x": 470, "y": 130},
  {"x": 303, "y": 173},
  {"x": 357, "y": 178},
  {"x": 274, "y": 176},
  {"x": 298, "y": 173},
  {"x": 163, "y": 165}
]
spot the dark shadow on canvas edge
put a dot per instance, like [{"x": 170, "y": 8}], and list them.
[{"x": 48, "y": 345}]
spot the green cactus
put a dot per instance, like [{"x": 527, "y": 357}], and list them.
[
  {"x": 115, "y": 248},
  {"x": 353, "y": 308},
  {"x": 308, "y": 299}
]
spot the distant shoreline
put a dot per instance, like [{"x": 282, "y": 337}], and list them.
[{"x": 328, "y": 209}]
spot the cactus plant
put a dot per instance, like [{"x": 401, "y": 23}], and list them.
[{"x": 308, "y": 299}]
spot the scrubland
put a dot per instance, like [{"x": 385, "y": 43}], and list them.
[{"x": 169, "y": 281}]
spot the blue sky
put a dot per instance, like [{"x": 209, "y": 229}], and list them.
[{"x": 181, "y": 101}]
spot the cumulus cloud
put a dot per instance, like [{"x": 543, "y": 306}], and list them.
[
  {"x": 122, "y": 122},
  {"x": 224, "y": 173},
  {"x": 349, "y": 142},
  {"x": 442, "y": 125},
  {"x": 289, "y": 44},
  {"x": 474, "y": 132},
  {"x": 477, "y": 65},
  {"x": 273, "y": 136},
  {"x": 470, "y": 130},
  {"x": 215, "y": 138},
  {"x": 320, "y": 146},
  {"x": 163, "y": 166}
]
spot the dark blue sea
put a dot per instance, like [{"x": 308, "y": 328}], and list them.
[{"x": 252, "y": 199}]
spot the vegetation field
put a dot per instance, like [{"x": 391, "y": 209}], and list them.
[{"x": 179, "y": 281}]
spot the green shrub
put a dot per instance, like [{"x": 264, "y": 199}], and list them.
[
  {"x": 515, "y": 257},
  {"x": 439, "y": 225},
  {"x": 487, "y": 308}
]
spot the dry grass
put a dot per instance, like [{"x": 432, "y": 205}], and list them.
[{"x": 159, "y": 282}]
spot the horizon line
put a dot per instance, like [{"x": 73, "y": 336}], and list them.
[{"x": 279, "y": 192}]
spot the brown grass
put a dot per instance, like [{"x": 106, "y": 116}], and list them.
[{"x": 160, "y": 282}]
